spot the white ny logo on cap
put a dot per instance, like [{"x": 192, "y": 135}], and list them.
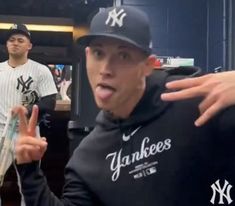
[
  {"x": 14, "y": 26},
  {"x": 116, "y": 17}
]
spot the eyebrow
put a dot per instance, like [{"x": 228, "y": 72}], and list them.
[
  {"x": 19, "y": 38},
  {"x": 95, "y": 45}
]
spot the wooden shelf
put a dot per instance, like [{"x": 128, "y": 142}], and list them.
[{"x": 62, "y": 105}]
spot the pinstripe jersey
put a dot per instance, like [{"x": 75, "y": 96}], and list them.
[{"x": 24, "y": 84}]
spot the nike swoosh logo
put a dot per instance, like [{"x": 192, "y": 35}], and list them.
[{"x": 126, "y": 138}]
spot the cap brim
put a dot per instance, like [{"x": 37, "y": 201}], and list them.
[
  {"x": 16, "y": 31},
  {"x": 85, "y": 40}
]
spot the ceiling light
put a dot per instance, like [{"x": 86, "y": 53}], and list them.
[{"x": 41, "y": 27}]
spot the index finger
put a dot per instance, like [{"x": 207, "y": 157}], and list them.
[
  {"x": 33, "y": 121},
  {"x": 182, "y": 94},
  {"x": 187, "y": 83}
]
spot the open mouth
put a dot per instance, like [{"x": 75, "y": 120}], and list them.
[
  {"x": 104, "y": 91},
  {"x": 106, "y": 86}
]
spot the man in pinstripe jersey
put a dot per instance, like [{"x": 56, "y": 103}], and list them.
[{"x": 22, "y": 80}]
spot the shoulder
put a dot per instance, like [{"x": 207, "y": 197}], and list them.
[
  {"x": 41, "y": 68},
  {"x": 3, "y": 65},
  {"x": 36, "y": 64},
  {"x": 88, "y": 141}
]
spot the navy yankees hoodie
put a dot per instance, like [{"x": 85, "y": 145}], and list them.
[{"x": 156, "y": 157}]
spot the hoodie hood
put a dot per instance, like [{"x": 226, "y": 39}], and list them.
[{"x": 150, "y": 106}]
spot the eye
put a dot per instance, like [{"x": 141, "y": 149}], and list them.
[
  {"x": 98, "y": 53},
  {"x": 11, "y": 39},
  {"x": 124, "y": 56},
  {"x": 21, "y": 40}
]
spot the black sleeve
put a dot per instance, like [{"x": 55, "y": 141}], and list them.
[
  {"x": 34, "y": 186},
  {"x": 46, "y": 104},
  {"x": 37, "y": 192}
]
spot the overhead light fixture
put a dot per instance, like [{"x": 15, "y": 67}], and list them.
[{"x": 41, "y": 27}]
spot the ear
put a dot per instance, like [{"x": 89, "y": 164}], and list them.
[
  {"x": 87, "y": 50},
  {"x": 30, "y": 46},
  {"x": 150, "y": 64}
]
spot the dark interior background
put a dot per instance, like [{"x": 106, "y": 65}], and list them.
[
  {"x": 187, "y": 28},
  {"x": 49, "y": 47},
  {"x": 201, "y": 29}
]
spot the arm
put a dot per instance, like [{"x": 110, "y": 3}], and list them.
[
  {"x": 45, "y": 104},
  {"x": 217, "y": 90},
  {"x": 28, "y": 150},
  {"x": 37, "y": 192},
  {"x": 46, "y": 91}
]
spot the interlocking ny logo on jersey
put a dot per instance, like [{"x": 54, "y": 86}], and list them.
[
  {"x": 115, "y": 18},
  {"x": 223, "y": 192},
  {"x": 25, "y": 85}
]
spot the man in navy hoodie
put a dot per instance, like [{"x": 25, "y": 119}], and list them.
[{"x": 142, "y": 151}]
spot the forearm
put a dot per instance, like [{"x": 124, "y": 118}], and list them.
[
  {"x": 37, "y": 192},
  {"x": 45, "y": 104},
  {"x": 34, "y": 186}
]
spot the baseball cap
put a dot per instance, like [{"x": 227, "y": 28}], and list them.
[
  {"x": 125, "y": 23},
  {"x": 18, "y": 29}
]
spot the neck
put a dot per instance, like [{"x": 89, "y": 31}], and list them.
[{"x": 17, "y": 61}]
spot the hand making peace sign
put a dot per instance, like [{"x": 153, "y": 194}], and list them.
[{"x": 28, "y": 148}]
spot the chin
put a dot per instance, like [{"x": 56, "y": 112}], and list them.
[{"x": 102, "y": 105}]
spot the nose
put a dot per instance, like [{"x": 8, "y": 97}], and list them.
[{"x": 106, "y": 69}]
